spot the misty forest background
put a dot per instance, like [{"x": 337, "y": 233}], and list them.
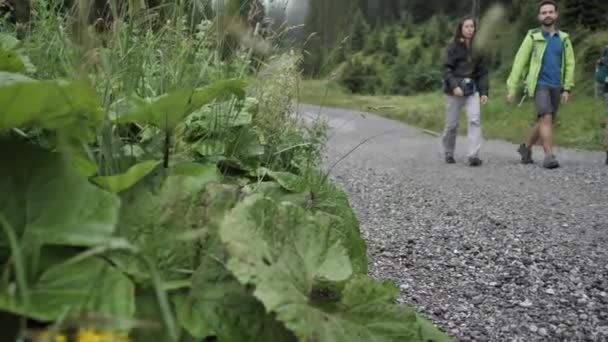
[{"x": 397, "y": 46}]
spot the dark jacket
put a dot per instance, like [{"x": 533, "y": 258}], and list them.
[{"x": 461, "y": 62}]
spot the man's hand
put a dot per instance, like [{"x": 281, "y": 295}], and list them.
[
  {"x": 565, "y": 96},
  {"x": 510, "y": 97},
  {"x": 458, "y": 91},
  {"x": 484, "y": 99}
]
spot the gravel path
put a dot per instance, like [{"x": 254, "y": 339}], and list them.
[{"x": 503, "y": 252}]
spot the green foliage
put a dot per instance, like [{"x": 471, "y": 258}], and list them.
[
  {"x": 168, "y": 110},
  {"x": 590, "y": 14},
  {"x": 359, "y": 32},
  {"x": 588, "y": 49},
  {"x": 312, "y": 303},
  {"x": 84, "y": 215},
  {"x": 239, "y": 235},
  {"x": 415, "y": 55},
  {"x": 51, "y": 206},
  {"x": 390, "y": 44},
  {"x": 360, "y": 78},
  {"x": 408, "y": 79},
  {"x": 223, "y": 308},
  {"x": 313, "y": 56},
  {"x": 407, "y": 23},
  {"x": 68, "y": 107},
  {"x": 12, "y": 58},
  {"x": 90, "y": 284},
  {"x": 373, "y": 43},
  {"x": 118, "y": 183}
]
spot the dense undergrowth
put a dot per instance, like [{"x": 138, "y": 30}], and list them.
[{"x": 157, "y": 189}]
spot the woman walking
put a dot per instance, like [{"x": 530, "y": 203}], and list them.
[{"x": 465, "y": 84}]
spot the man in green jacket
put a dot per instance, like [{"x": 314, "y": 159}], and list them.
[{"x": 547, "y": 57}]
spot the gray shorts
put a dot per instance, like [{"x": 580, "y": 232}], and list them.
[{"x": 547, "y": 100}]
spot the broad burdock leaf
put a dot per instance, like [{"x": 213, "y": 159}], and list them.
[
  {"x": 50, "y": 202},
  {"x": 297, "y": 265},
  {"x": 118, "y": 183},
  {"x": 88, "y": 286},
  {"x": 218, "y": 305},
  {"x": 68, "y": 107},
  {"x": 48, "y": 205},
  {"x": 12, "y": 58},
  {"x": 169, "y": 110}
]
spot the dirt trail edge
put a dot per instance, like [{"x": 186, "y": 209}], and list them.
[{"x": 502, "y": 252}]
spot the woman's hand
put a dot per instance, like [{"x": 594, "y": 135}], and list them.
[
  {"x": 484, "y": 99},
  {"x": 458, "y": 91}
]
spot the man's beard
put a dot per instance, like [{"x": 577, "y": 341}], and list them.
[{"x": 548, "y": 22}]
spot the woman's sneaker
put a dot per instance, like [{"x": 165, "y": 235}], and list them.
[{"x": 474, "y": 161}]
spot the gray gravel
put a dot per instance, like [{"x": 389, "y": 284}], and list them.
[{"x": 503, "y": 252}]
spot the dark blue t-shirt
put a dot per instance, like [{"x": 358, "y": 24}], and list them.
[{"x": 552, "y": 61}]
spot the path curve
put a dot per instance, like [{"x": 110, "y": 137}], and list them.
[{"x": 503, "y": 252}]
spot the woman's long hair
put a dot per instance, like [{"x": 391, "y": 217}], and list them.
[{"x": 458, "y": 37}]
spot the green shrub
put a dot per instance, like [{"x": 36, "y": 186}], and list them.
[{"x": 360, "y": 78}]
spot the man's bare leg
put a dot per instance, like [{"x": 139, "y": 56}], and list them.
[
  {"x": 545, "y": 131},
  {"x": 525, "y": 149},
  {"x": 534, "y": 135},
  {"x": 546, "y": 135}
]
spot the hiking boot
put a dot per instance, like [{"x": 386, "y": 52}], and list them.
[
  {"x": 550, "y": 162},
  {"x": 525, "y": 153},
  {"x": 474, "y": 161},
  {"x": 449, "y": 159}
]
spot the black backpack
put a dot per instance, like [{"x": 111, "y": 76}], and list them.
[{"x": 601, "y": 70}]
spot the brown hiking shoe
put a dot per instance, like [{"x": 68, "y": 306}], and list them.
[
  {"x": 526, "y": 154},
  {"x": 550, "y": 162}
]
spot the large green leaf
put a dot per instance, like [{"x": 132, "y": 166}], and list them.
[
  {"x": 211, "y": 147},
  {"x": 48, "y": 202},
  {"x": 118, "y": 183},
  {"x": 218, "y": 305},
  {"x": 276, "y": 192},
  {"x": 170, "y": 109},
  {"x": 297, "y": 263},
  {"x": 157, "y": 216},
  {"x": 216, "y": 117},
  {"x": 12, "y": 58},
  {"x": 90, "y": 285},
  {"x": 287, "y": 180},
  {"x": 8, "y": 42},
  {"x": 187, "y": 179},
  {"x": 328, "y": 198},
  {"x": 371, "y": 305},
  {"x": 69, "y": 107},
  {"x": 11, "y": 61}
]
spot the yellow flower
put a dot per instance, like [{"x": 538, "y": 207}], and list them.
[
  {"x": 84, "y": 335},
  {"x": 90, "y": 335},
  {"x": 46, "y": 337}
]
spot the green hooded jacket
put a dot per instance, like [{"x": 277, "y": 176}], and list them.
[{"x": 529, "y": 58}]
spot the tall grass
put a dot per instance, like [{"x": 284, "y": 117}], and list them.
[{"x": 145, "y": 53}]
